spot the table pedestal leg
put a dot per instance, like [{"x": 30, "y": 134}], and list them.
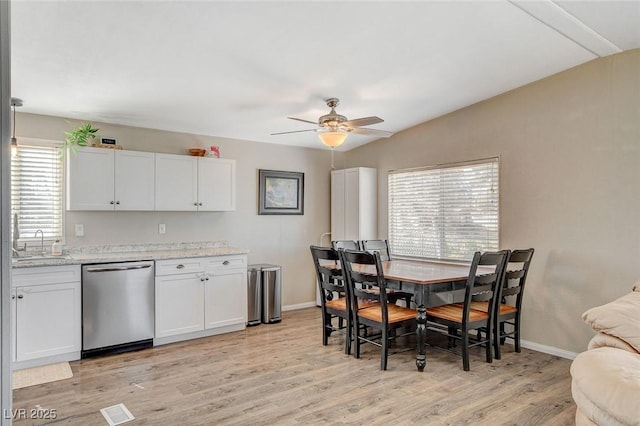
[{"x": 421, "y": 334}]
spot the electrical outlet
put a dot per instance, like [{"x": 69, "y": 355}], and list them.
[
  {"x": 162, "y": 229},
  {"x": 79, "y": 230}
]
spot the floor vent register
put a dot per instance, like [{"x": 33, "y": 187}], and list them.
[{"x": 117, "y": 414}]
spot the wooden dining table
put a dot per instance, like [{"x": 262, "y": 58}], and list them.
[{"x": 432, "y": 284}]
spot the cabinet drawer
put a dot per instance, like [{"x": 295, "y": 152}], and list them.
[
  {"x": 179, "y": 266},
  {"x": 226, "y": 262},
  {"x": 43, "y": 275}
]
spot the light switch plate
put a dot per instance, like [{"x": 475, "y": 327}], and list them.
[
  {"x": 162, "y": 229},
  {"x": 79, "y": 230}
]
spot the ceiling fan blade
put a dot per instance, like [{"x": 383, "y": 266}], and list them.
[
  {"x": 364, "y": 121},
  {"x": 304, "y": 121},
  {"x": 295, "y": 131},
  {"x": 376, "y": 132}
]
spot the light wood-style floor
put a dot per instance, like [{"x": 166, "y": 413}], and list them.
[{"x": 280, "y": 374}]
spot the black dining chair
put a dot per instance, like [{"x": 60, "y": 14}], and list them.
[
  {"x": 330, "y": 283},
  {"x": 456, "y": 320},
  {"x": 382, "y": 247},
  {"x": 371, "y": 309},
  {"x": 508, "y": 310}
]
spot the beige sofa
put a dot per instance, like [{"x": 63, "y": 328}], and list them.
[{"x": 606, "y": 378}]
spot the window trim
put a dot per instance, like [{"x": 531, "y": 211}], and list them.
[{"x": 441, "y": 166}]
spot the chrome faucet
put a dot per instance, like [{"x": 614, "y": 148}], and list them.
[{"x": 41, "y": 240}]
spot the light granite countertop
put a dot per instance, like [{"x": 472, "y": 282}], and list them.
[{"x": 125, "y": 253}]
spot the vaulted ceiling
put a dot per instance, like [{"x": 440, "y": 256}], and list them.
[{"x": 238, "y": 69}]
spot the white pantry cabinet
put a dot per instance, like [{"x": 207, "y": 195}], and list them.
[
  {"x": 200, "y": 297},
  {"x": 46, "y": 315},
  {"x": 109, "y": 179},
  {"x": 185, "y": 183},
  {"x": 354, "y": 204}
]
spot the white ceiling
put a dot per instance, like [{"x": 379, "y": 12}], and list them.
[{"x": 237, "y": 69}]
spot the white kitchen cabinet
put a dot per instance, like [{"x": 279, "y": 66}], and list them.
[
  {"x": 354, "y": 204},
  {"x": 107, "y": 179},
  {"x": 46, "y": 315},
  {"x": 186, "y": 183},
  {"x": 225, "y": 295},
  {"x": 179, "y": 307},
  {"x": 200, "y": 297}
]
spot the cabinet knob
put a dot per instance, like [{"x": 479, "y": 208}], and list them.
[
  {"x": 226, "y": 262},
  {"x": 199, "y": 204},
  {"x": 206, "y": 279},
  {"x": 111, "y": 202},
  {"x": 180, "y": 266},
  {"x": 195, "y": 204},
  {"x": 117, "y": 202},
  {"x": 20, "y": 296},
  {"x": 13, "y": 296},
  {"x": 201, "y": 279}
]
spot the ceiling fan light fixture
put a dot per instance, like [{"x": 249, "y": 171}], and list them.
[{"x": 333, "y": 139}]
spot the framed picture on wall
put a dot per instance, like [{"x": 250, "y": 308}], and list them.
[{"x": 280, "y": 192}]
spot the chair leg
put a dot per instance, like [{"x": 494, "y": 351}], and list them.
[
  {"x": 385, "y": 348},
  {"x": 465, "y": 349},
  {"x": 497, "y": 337},
  {"x": 503, "y": 337},
  {"x": 516, "y": 334},
  {"x": 348, "y": 337},
  {"x": 489, "y": 346},
  {"x": 356, "y": 338},
  {"x": 326, "y": 323}
]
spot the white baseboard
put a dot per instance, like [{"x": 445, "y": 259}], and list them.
[
  {"x": 299, "y": 306},
  {"x": 551, "y": 350}
]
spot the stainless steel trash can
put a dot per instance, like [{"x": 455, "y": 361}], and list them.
[
  {"x": 271, "y": 294},
  {"x": 254, "y": 294}
]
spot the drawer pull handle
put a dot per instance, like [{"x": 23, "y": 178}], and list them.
[
  {"x": 180, "y": 266},
  {"x": 13, "y": 296},
  {"x": 226, "y": 262},
  {"x": 20, "y": 296}
]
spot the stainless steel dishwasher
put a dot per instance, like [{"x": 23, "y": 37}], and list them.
[{"x": 117, "y": 307}]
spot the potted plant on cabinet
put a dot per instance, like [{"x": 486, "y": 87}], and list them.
[{"x": 80, "y": 136}]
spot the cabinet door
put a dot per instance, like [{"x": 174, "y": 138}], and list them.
[
  {"x": 226, "y": 298},
  {"x": 176, "y": 182},
  {"x": 216, "y": 184},
  {"x": 90, "y": 179},
  {"x": 337, "y": 205},
  {"x": 134, "y": 180},
  {"x": 47, "y": 320},
  {"x": 179, "y": 306}
]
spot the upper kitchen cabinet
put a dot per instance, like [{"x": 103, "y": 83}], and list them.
[
  {"x": 105, "y": 179},
  {"x": 186, "y": 183}
]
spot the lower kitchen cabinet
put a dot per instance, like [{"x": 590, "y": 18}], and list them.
[
  {"x": 200, "y": 297},
  {"x": 179, "y": 307},
  {"x": 46, "y": 313}
]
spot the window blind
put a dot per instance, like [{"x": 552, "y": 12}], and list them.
[
  {"x": 444, "y": 212},
  {"x": 37, "y": 191}
]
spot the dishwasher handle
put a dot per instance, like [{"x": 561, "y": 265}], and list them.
[{"x": 117, "y": 268}]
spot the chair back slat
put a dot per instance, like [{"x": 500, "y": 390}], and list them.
[
  {"x": 486, "y": 286},
  {"x": 516, "y": 276},
  {"x": 345, "y": 244},
  {"x": 356, "y": 282},
  {"x": 380, "y": 246}
]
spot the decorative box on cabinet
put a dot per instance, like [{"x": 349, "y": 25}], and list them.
[
  {"x": 107, "y": 179},
  {"x": 200, "y": 297},
  {"x": 46, "y": 315},
  {"x": 354, "y": 204}
]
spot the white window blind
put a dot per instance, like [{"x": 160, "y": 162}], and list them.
[
  {"x": 444, "y": 212},
  {"x": 37, "y": 190}
]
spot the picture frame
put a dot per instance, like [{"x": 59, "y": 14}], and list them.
[{"x": 280, "y": 192}]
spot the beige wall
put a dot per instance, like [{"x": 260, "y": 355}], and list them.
[
  {"x": 569, "y": 148},
  {"x": 283, "y": 240}
]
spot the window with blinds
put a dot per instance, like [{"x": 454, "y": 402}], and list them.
[
  {"x": 444, "y": 212},
  {"x": 37, "y": 190}
]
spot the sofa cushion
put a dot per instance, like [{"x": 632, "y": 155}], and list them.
[
  {"x": 620, "y": 318},
  {"x": 602, "y": 340},
  {"x": 606, "y": 384}
]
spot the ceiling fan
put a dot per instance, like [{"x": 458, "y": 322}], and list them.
[{"x": 333, "y": 128}]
